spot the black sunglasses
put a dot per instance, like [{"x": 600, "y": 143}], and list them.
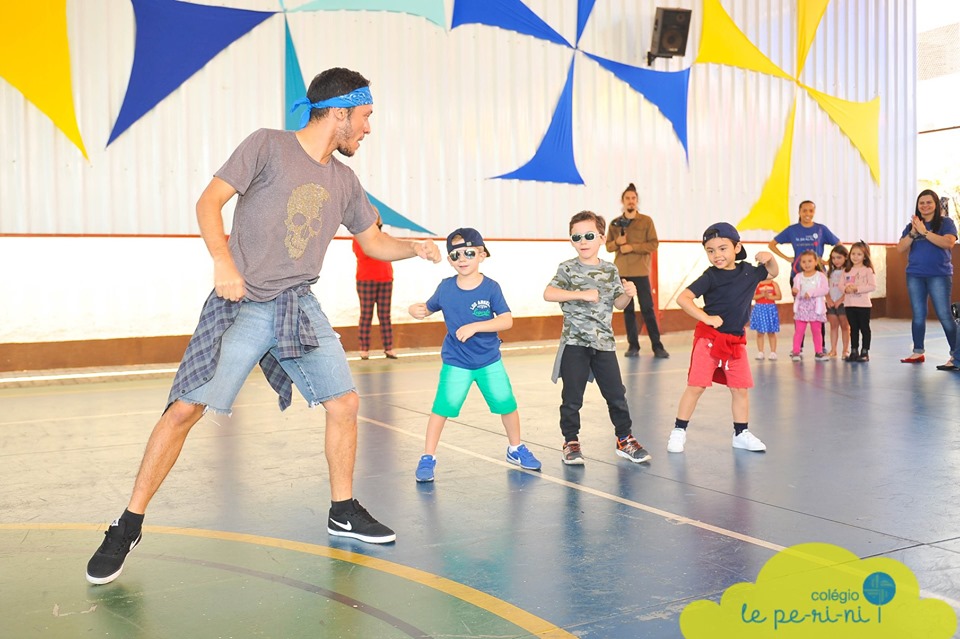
[
  {"x": 467, "y": 253},
  {"x": 576, "y": 237}
]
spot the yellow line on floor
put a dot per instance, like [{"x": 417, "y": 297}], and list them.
[{"x": 517, "y": 616}]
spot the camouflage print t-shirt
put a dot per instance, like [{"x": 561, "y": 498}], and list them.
[{"x": 588, "y": 323}]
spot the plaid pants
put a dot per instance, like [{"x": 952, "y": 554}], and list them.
[{"x": 378, "y": 293}]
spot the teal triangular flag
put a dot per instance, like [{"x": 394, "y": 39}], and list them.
[
  {"x": 293, "y": 86},
  {"x": 392, "y": 218},
  {"x": 432, "y": 10}
]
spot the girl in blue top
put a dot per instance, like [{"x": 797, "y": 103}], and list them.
[{"x": 929, "y": 238}]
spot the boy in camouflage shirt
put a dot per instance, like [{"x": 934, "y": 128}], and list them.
[{"x": 588, "y": 289}]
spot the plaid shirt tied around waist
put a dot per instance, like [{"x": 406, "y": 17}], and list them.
[{"x": 295, "y": 338}]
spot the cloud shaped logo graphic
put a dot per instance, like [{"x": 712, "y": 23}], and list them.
[{"x": 824, "y": 591}]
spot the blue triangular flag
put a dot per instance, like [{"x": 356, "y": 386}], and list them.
[
  {"x": 554, "y": 161},
  {"x": 512, "y": 15},
  {"x": 175, "y": 40},
  {"x": 666, "y": 89},
  {"x": 584, "y": 9}
]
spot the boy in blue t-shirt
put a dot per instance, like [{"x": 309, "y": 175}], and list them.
[{"x": 473, "y": 310}]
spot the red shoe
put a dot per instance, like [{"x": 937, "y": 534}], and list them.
[{"x": 913, "y": 360}]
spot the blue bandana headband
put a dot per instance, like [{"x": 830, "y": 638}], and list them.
[{"x": 357, "y": 97}]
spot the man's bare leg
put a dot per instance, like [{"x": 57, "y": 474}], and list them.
[
  {"x": 347, "y": 517},
  {"x": 163, "y": 449},
  {"x": 341, "y": 444}
]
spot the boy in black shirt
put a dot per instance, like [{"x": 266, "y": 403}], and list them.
[{"x": 719, "y": 342}]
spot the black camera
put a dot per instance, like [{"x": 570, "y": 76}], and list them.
[{"x": 621, "y": 221}]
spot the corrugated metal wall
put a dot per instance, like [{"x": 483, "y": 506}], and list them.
[
  {"x": 862, "y": 49},
  {"x": 455, "y": 107}
]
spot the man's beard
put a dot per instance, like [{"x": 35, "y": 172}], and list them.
[{"x": 345, "y": 132}]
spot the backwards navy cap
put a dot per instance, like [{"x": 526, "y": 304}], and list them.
[
  {"x": 728, "y": 231},
  {"x": 468, "y": 237}
]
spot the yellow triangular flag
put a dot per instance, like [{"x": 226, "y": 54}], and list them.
[
  {"x": 772, "y": 211},
  {"x": 809, "y": 14},
  {"x": 35, "y": 58},
  {"x": 859, "y": 121},
  {"x": 722, "y": 42}
]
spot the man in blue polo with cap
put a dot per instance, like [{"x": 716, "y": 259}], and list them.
[{"x": 293, "y": 195}]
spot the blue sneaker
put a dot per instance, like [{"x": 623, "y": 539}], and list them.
[
  {"x": 425, "y": 468},
  {"x": 523, "y": 458}
]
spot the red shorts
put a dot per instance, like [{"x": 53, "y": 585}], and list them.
[{"x": 703, "y": 364}]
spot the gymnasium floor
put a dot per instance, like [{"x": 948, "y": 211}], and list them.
[{"x": 863, "y": 456}]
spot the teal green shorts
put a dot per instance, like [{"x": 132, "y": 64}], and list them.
[{"x": 455, "y": 383}]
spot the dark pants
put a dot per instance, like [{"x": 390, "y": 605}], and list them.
[
  {"x": 647, "y": 311},
  {"x": 575, "y": 368},
  {"x": 374, "y": 293},
  {"x": 859, "y": 319}
]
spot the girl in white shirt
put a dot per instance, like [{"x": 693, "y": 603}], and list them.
[{"x": 810, "y": 288}]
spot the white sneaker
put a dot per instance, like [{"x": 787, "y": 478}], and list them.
[
  {"x": 759, "y": 356},
  {"x": 678, "y": 437},
  {"x": 772, "y": 357},
  {"x": 748, "y": 441},
  {"x": 796, "y": 357}
]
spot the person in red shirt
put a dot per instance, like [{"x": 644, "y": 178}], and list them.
[
  {"x": 374, "y": 288},
  {"x": 765, "y": 319}
]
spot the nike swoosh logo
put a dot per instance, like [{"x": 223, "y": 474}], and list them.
[{"x": 346, "y": 526}]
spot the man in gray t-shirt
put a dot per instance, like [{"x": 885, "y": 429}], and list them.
[
  {"x": 293, "y": 196},
  {"x": 289, "y": 209}
]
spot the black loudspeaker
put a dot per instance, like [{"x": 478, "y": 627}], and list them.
[{"x": 670, "y": 30}]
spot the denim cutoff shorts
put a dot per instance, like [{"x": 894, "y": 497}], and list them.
[{"x": 320, "y": 375}]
